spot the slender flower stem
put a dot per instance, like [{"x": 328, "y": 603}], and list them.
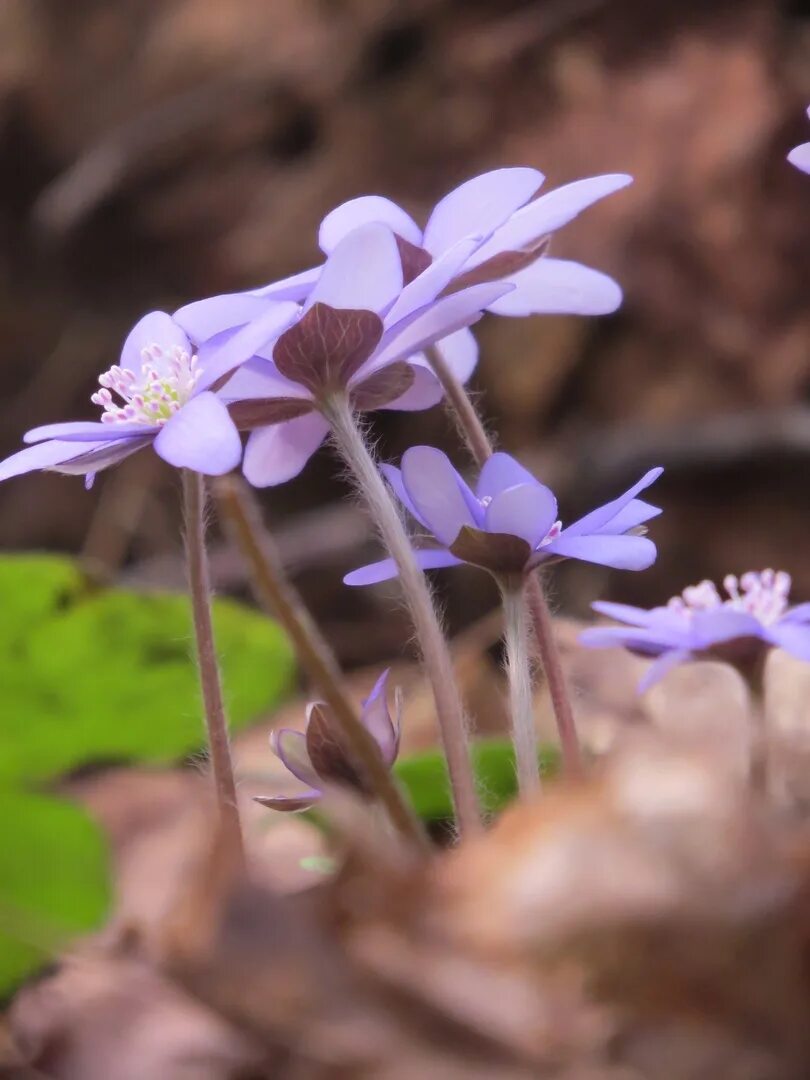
[
  {"x": 276, "y": 594},
  {"x": 460, "y": 405},
  {"x": 216, "y": 722},
  {"x": 555, "y": 676},
  {"x": 479, "y": 444},
  {"x": 518, "y": 668},
  {"x": 351, "y": 445}
]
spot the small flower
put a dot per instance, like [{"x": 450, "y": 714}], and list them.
[
  {"x": 509, "y": 524},
  {"x": 318, "y": 756},
  {"x": 360, "y": 332},
  {"x": 160, "y": 393},
  {"x": 703, "y": 624},
  {"x": 800, "y": 155}
]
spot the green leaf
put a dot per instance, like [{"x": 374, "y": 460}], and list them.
[
  {"x": 54, "y": 881},
  {"x": 89, "y": 675},
  {"x": 424, "y": 776}
]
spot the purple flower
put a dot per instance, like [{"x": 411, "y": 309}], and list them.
[
  {"x": 800, "y": 155},
  {"x": 512, "y": 228},
  {"x": 360, "y": 332},
  {"x": 319, "y": 756},
  {"x": 701, "y": 623},
  {"x": 160, "y": 394},
  {"x": 509, "y": 524}
]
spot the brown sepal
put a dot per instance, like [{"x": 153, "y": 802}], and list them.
[
  {"x": 260, "y": 412},
  {"x": 414, "y": 259},
  {"x": 500, "y": 553},
  {"x": 502, "y": 265},
  {"x": 383, "y": 387},
  {"x": 287, "y": 803},
  {"x": 328, "y": 750},
  {"x": 326, "y": 347}
]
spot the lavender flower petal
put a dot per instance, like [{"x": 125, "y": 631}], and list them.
[
  {"x": 424, "y": 392},
  {"x": 365, "y": 210},
  {"x": 603, "y": 517},
  {"x": 444, "y": 317},
  {"x": 68, "y": 457},
  {"x": 290, "y": 803},
  {"x": 479, "y": 206},
  {"x": 363, "y": 272},
  {"x": 798, "y": 614},
  {"x": 426, "y": 286},
  {"x": 800, "y": 157},
  {"x": 377, "y": 719},
  {"x": 559, "y": 287},
  {"x": 394, "y": 477},
  {"x": 204, "y": 319},
  {"x": 201, "y": 436},
  {"x": 548, "y": 213},
  {"x": 276, "y": 454},
  {"x": 635, "y": 513},
  {"x": 662, "y": 666},
  {"x": 291, "y": 749},
  {"x": 501, "y": 471},
  {"x": 793, "y": 637},
  {"x": 386, "y": 569},
  {"x": 295, "y": 288},
  {"x": 627, "y": 613},
  {"x": 527, "y": 511},
  {"x": 156, "y": 328},
  {"x": 245, "y": 343},
  {"x": 437, "y": 492},
  {"x": 620, "y": 552},
  {"x": 722, "y": 624},
  {"x": 88, "y": 431}
]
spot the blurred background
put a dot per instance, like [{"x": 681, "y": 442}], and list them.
[{"x": 154, "y": 152}]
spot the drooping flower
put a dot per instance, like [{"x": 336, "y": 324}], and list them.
[
  {"x": 800, "y": 155},
  {"x": 159, "y": 394},
  {"x": 359, "y": 333},
  {"x": 703, "y": 624},
  {"x": 508, "y": 524},
  {"x": 319, "y": 756}
]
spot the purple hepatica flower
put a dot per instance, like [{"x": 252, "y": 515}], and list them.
[
  {"x": 359, "y": 333},
  {"x": 800, "y": 155},
  {"x": 159, "y": 394},
  {"x": 513, "y": 229},
  {"x": 509, "y": 524},
  {"x": 318, "y": 755},
  {"x": 701, "y": 624}
]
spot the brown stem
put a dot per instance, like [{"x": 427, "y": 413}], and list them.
[
  {"x": 555, "y": 677},
  {"x": 276, "y": 594},
  {"x": 208, "y": 667},
  {"x": 351, "y": 445},
  {"x": 478, "y": 442}
]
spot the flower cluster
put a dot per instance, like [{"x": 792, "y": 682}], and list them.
[
  {"x": 383, "y": 322},
  {"x": 266, "y": 362}
]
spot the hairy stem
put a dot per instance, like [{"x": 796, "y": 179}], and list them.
[
  {"x": 479, "y": 444},
  {"x": 208, "y": 667},
  {"x": 518, "y": 669},
  {"x": 555, "y": 676},
  {"x": 351, "y": 445},
  {"x": 276, "y": 594}
]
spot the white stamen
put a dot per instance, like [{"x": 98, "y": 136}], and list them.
[
  {"x": 153, "y": 398},
  {"x": 763, "y": 595}
]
